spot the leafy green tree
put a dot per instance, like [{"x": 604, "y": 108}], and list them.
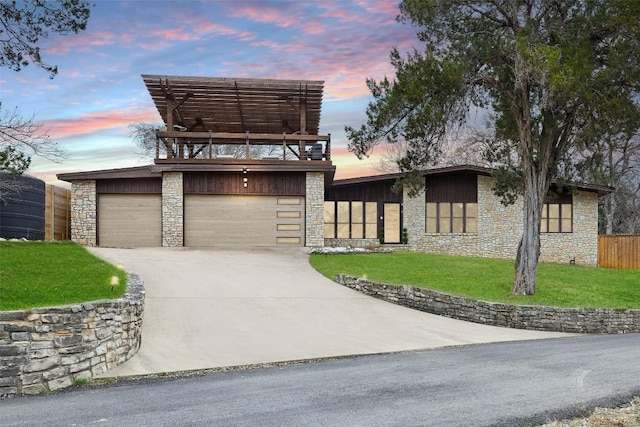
[
  {"x": 545, "y": 69},
  {"x": 13, "y": 162},
  {"x": 24, "y": 24}
]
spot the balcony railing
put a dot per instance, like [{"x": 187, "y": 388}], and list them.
[{"x": 198, "y": 147}]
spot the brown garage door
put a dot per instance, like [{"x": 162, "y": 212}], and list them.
[
  {"x": 129, "y": 220},
  {"x": 243, "y": 220}
]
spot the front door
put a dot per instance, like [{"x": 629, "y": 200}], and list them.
[{"x": 392, "y": 220}]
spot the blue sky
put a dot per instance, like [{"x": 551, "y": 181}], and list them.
[{"x": 98, "y": 92}]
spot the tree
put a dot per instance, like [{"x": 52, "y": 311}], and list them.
[
  {"x": 24, "y": 24},
  {"x": 613, "y": 160},
  {"x": 544, "y": 68},
  {"x": 144, "y": 136},
  {"x": 13, "y": 162},
  {"x": 26, "y": 135}
]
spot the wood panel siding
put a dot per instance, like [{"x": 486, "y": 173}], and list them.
[
  {"x": 453, "y": 188},
  {"x": 57, "y": 213},
  {"x": 559, "y": 195},
  {"x": 619, "y": 251},
  {"x": 129, "y": 186},
  {"x": 258, "y": 183},
  {"x": 367, "y": 192}
]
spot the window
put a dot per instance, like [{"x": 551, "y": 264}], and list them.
[
  {"x": 451, "y": 203},
  {"x": 557, "y": 218},
  {"x": 350, "y": 220},
  {"x": 445, "y": 217},
  {"x": 329, "y": 220}
]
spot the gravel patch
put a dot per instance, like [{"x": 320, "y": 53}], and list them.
[{"x": 625, "y": 416}]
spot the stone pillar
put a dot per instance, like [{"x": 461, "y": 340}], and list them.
[
  {"x": 172, "y": 209},
  {"x": 314, "y": 235},
  {"x": 83, "y": 212},
  {"x": 413, "y": 217}
]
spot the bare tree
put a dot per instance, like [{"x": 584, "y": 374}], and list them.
[
  {"x": 27, "y": 135},
  {"x": 144, "y": 136}
]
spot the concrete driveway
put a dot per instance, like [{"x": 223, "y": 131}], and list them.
[{"x": 217, "y": 307}]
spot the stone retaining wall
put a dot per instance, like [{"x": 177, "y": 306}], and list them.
[
  {"x": 574, "y": 320},
  {"x": 49, "y": 348}
]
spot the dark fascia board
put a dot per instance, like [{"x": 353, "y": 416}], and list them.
[
  {"x": 155, "y": 171},
  {"x": 136, "y": 172},
  {"x": 478, "y": 170},
  {"x": 393, "y": 176}
]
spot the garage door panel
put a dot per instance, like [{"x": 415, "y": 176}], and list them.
[
  {"x": 129, "y": 220},
  {"x": 247, "y": 220}
]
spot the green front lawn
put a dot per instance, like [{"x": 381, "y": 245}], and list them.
[
  {"x": 490, "y": 279},
  {"x": 40, "y": 274}
]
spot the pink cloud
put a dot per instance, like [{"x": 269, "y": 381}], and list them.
[
  {"x": 98, "y": 121},
  {"x": 81, "y": 42},
  {"x": 314, "y": 28},
  {"x": 175, "y": 34},
  {"x": 280, "y": 18}
]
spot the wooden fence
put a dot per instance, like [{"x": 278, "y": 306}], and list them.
[
  {"x": 619, "y": 251},
  {"x": 57, "y": 213}
]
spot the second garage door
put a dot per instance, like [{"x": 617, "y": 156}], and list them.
[{"x": 243, "y": 220}]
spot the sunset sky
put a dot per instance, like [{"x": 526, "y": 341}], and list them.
[{"x": 98, "y": 92}]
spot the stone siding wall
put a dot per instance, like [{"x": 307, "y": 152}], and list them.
[
  {"x": 582, "y": 243},
  {"x": 49, "y": 348},
  {"x": 573, "y": 320},
  {"x": 83, "y": 212},
  {"x": 172, "y": 209},
  {"x": 314, "y": 211},
  {"x": 352, "y": 243},
  {"x": 500, "y": 228}
]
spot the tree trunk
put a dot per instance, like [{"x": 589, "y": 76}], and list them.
[
  {"x": 536, "y": 186},
  {"x": 529, "y": 247}
]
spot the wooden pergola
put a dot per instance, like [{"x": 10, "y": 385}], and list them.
[{"x": 203, "y": 112}]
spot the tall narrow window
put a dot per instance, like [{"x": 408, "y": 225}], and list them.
[
  {"x": 444, "y": 216},
  {"x": 471, "y": 218},
  {"x": 343, "y": 220},
  {"x": 329, "y": 220},
  {"x": 432, "y": 217},
  {"x": 371, "y": 218},
  {"x": 357, "y": 220}
]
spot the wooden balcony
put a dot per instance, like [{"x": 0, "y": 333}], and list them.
[{"x": 217, "y": 147}]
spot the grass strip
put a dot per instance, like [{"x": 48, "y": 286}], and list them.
[
  {"x": 42, "y": 274},
  {"x": 490, "y": 279}
]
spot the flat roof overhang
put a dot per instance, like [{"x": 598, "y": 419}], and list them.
[{"x": 226, "y": 165}]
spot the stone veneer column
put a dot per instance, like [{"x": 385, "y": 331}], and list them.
[
  {"x": 499, "y": 226},
  {"x": 413, "y": 217},
  {"x": 314, "y": 233},
  {"x": 83, "y": 212},
  {"x": 172, "y": 209}
]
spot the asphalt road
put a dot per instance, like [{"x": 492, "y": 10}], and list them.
[{"x": 507, "y": 384}]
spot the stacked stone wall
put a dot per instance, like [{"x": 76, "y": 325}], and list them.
[
  {"x": 573, "y": 320},
  {"x": 582, "y": 244},
  {"x": 83, "y": 212},
  {"x": 314, "y": 210},
  {"x": 352, "y": 243},
  {"x": 45, "y": 349},
  {"x": 172, "y": 209}
]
